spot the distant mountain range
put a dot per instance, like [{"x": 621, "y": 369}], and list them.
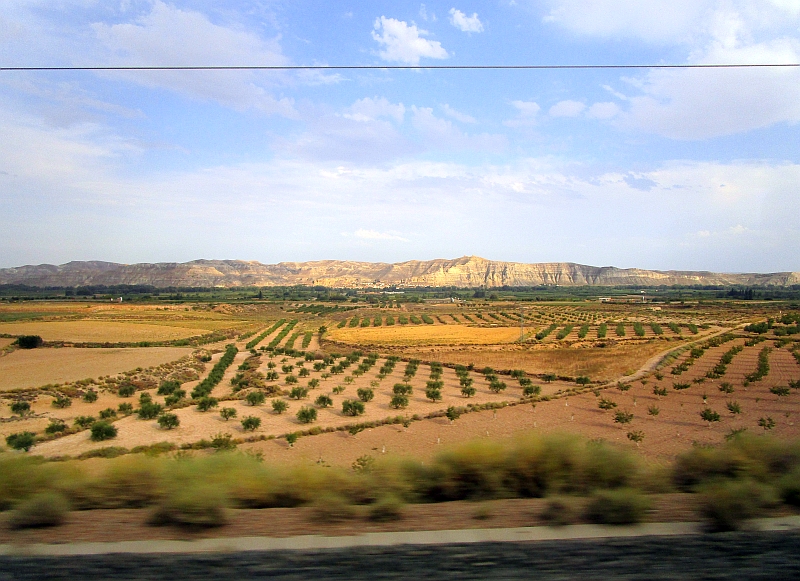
[{"x": 468, "y": 271}]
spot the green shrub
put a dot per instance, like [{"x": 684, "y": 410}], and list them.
[
  {"x": 61, "y": 402},
  {"x": 560, "y": 511},
  {"x": 279, "y": 406},
  {"x": 726, "y": 387},
  {"x": 332, "y": 507},
  {"x": 250, "y": 423},
  {"x": 84, "y": 422},
  {"x": 623, "y": 417},
  {"x": 307, "y": 415},
  {"x": 365, "y": 394},
  {"x": 126, "y": 390},
  {"x": 298, "y": 392},
  {"x": 108, "y": 413},
  {"x": 195, "y": 506},
  {"x": 149, "y": 410},
  {"x": 255, "y": 398},
  {"x": 175, "y": 397},
  {"x": 617, "y": 507},
  {"x": 168, "y": 421},
  {"x": 20, "y": 441},
  {"x": 433, "y": 393},
  {"x": 45, "y": 509},
  {"x": 352, "y": 407},
  {"x": 789, "y": 487},
  {"x": 205, "y": 403},
  {"x": 388, "y": 507},
  {"x": 399, "y": 401},
  {"x": 29, "y": 341},
  {"x": 726, "y": 505},
  {"x": 168, "y": 387},
  {"x": 227, "y": 413},
  {"x": 466, "y": 391},
  {"x": 56, "y": 426},
  {"x": 324, "y": 401},
  {"x": 20, "y": 407},
  {"x": 90, "y": 396},
  {"x": 402, "y": 389},
  {"x": 496, "y": 386},
  {"x": 606, "y": 404},
  {"x": 103, "y": 431}
]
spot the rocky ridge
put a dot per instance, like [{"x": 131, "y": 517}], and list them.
[{"x": 468, "y": 271}]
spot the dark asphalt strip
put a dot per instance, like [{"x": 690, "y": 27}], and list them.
[{"x": 771, "y": 556}]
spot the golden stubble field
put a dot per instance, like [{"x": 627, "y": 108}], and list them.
[
  {"x": 397, "y": 335},
  {"x": 90, "y": 331},
  {"x": 37, "y": 367}
]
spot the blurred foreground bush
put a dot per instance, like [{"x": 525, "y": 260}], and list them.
[{"x": 735, "y": 481}]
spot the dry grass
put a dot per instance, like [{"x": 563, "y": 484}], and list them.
[
  {"x": 4, "y": 342},
  {"x": 606, "y": 363},
  {"x": 97, "y": 331},
  {"x": 37, "y": 367},
  {"x": 425, "y": 335}
]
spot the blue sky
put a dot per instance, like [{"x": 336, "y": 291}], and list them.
[{"x": 665, "y": 169}]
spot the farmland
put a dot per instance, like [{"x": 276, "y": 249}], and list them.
[
  {"x": 293, "y": 383},
  {"x": 320, "y": 358},
  {"x": 37, "y": 367},
  {"x": 97, "y": 331}
]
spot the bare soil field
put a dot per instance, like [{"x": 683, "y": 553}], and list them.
[
  {"x": 601, "y": 364},
  {"x": 401, "y": 335},
  {"x": 5, "y": 342},
  {"x": 36, "y": 367},
  {"x": 97, "y": 331}
]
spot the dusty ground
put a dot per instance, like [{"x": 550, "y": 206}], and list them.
[
  {"x": 37, "y": 367},
  {"x": 5, "y": 342},
  {"x": 677, "y": 425},
  {"x": 601, "y": 364},
  {"x": 130, "y": 524},
  {"x": 97, "y": 331}
]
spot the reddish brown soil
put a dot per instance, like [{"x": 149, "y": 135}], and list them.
[{"x": 130, "y": 524}]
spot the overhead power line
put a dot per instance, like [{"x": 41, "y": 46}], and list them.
[{"x": 396, "y": 67}]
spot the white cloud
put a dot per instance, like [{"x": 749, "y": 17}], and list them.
[
  {"x": 52, "y": 181},
  {"x": 527, "y": 114},
  {"x": 605, "y": 110},
  {"x": 457, "y": 115},
  {"x": 699, "y": 104},
  {"x": 375, "y": 235},
  {"x": 404, "y": 43},
  {"x": 567, "y": 109},
  {"x": 425, "y": 15},
  {"x": 368, "y": 109},
  {"x": 465, "y": 23},
  {"x": 650, "y": 20},
  {"x": 171, "y": 36}
]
